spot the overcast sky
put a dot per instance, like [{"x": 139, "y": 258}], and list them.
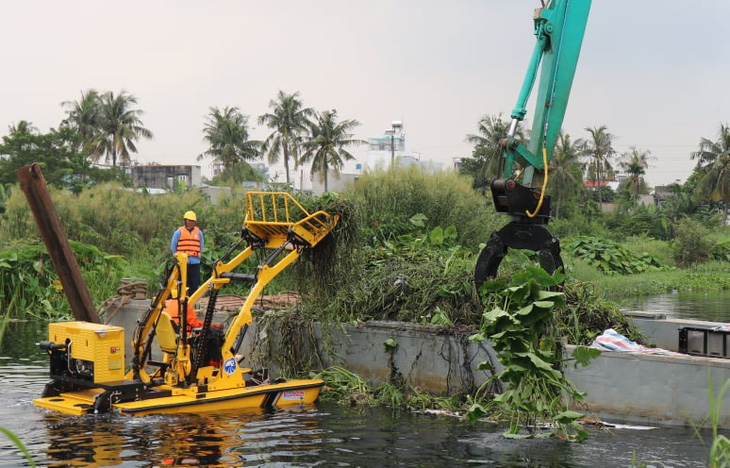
[{"x": 655, "y": 72}]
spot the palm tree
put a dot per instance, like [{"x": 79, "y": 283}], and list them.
[
  {"x": 486, "y": 161},
  {"x": 119, "y": 128},
  {"x": 84, "y": 116},
  {"x": 565, "y": 169},
  {"x": 635, "y": 162},
  {"x": 227, "y": 135},
  {"x": 600, "y": 150},
  {"x": 710, "y": 150},
  {"x": 713, "y": 158},
  {"x": 327, "y": 143},
  {"x": 22, "y": 128},
  {"x": 289, "y": 121}
]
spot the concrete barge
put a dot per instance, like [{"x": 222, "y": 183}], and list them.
[{"x": 621, "y": 386}]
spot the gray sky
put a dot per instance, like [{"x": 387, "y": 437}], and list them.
[{"x": 654, "y": 72}]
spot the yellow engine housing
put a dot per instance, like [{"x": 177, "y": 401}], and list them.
[{"x": 101, "y": 345}]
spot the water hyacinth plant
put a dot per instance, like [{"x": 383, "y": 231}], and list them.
[{"x": 518, "y": 328}]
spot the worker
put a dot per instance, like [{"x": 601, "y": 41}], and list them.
[
  {"x": 188, "y": 239},
  {"x": 172, "y": 307},
  {"x": 214, "y": 338}
]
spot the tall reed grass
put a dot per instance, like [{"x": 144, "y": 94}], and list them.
[{"x": 388, "y": 199}]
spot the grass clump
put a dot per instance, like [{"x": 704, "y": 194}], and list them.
[{"x": 387, "y": 200}]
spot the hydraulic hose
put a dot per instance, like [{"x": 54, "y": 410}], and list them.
[{"x": 544, "y": 185}]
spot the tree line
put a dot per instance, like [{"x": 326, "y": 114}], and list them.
[
  {"x": 594, "y": 160},
  {"x": 107, "y": 126}
]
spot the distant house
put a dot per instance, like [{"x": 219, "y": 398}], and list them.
[
  {"x": 165, "y": 177},
  {"x": 661, "y": 192}
]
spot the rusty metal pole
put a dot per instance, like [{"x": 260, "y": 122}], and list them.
[{"x": 39, "y": 199}]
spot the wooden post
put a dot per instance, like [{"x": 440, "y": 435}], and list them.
[{"x": 39, "y": 199}]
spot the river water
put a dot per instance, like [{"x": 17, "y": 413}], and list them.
[
  {"x": 324, "y": 434},
  {"x": 714, "y": 306}
]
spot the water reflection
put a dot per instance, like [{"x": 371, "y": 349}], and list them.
[{"x": 215, "y": 440}]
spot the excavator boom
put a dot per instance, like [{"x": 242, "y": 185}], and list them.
[{"x": 559, "y": 29}]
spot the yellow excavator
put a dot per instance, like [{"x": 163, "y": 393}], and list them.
[{"x": 199, "y": 370}]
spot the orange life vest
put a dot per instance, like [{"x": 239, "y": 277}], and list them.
[
  {"x": 172, "y": 307},
  {"x": 189, "y": 242}
]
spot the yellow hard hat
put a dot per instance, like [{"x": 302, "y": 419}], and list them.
[
  {"x": 173, "y": 293},
  {"x": 190, "y": 215}
]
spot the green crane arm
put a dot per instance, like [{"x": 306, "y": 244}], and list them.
[{"x": 559, "y": 29}]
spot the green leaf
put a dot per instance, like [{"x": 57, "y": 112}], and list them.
[
  {"x": 390, "y": 344},
  {"x": 567, "y": 417},
  {"x": 450, "y": 233},
  {"x": 418, "y": 220},
  {"x": 492, "y": 286},
  {"x": 583, "y": 355},
  {"x": 437, "y": 236},
  {"x": 477, "y": 337},
  {"x": 485, "y": 365},
  {"x": 581, "y": 435},
  {"x": 495, "y": 313},
  {"x": 539, "y": 363},
  {"x": 475, "y": 412}
]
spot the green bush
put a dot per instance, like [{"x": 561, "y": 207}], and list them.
[
  {"x": 29, "y": 285},
  {"x": 692, "y": 242},
  {"x": 610, "y": 257},
  {"x": 721, "y": 251},
  {"x": 641, "y": 221}
]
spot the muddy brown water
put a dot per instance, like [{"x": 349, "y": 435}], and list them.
[{"x": 324, "y": 434}]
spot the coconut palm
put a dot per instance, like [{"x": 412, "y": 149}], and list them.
[
  {"x": 84, "y": 116},
  {"x": 716, "y": 184},
  {"x": 119, "y": 128},
  {"x": 710, "y": 150},
  {"x": 565, "y": 169},
  {"x": 226, "y": 132},
  {"x": 22, "y": 128},
  {"x": 713, "y": 159},
  {"x": 634, "y": 163},
  {"x": 486, "y": 161},
  {"x": 327, "y": 142},
  {"x": 289, "y": 120},
  {"x": 599, "y": 148}
]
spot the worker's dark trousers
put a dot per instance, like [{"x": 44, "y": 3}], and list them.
[{"x": 193, "y": 277}]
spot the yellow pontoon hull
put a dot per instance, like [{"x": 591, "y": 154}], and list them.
[{"x": 191, "y": 400}]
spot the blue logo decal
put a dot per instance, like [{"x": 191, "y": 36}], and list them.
[{"x": 230, "y": 366}]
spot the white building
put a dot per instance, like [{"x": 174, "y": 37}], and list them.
[{"x": 389, "y": 148}]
